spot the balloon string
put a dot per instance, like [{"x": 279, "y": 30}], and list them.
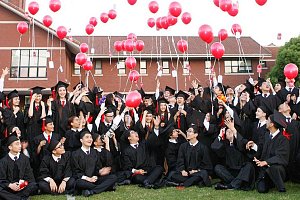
[
  {"x": 151, "y": 53},
  {"x": 20, "y": 55},
  {"x": 52, "y": 47},
  {"x": 48, "y": 38},
  {"x": 130, "y": 86},
  {"x": 126, "y": 83},
  {"x": 33, "y": 34},
  {"x": 243, "y": 57},
  {"x": 95, "y": 83},
  {"x": 170, "y": 52},
  {"x": 60, "y": 53},
  {"x": 109, "y": 48}
]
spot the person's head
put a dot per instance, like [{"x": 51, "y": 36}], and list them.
[
  {"x": 133, "y": 137},
  {"x": 192, "y": 133},
  {"x": 172, "y": 100},
  {"x": 227, "y": 115},
  {"x": 265, "y": 87},
  {"x": 271, "y": 125},
  {"x": 181, "y": 97},
  {"x": 229, "y": 93},
  {"x": 109, "y": 100},
  {"x": 14, "y": 145},
  {"x": 174, "y": 134},
  {"x": 13, "y": 98},
  {"x": 169, "y": 92},
  {"x": 37, "y": 91},
  {"x": 244, "y": 95},
  {"x": 59, "y": 149},
  {"x": 218, "y": 89},
  {"x": 261, "y": 113},
  {"x": 128, "y": 118},
  {"x": 49, "y": 125},
  {"x": 163, "y": 103},
  {"x": 86, "y": 139},
  {"x": 277, "y": 87},
  {"x": 284, "y": 108},
  {"x": 109, "y": 115},
  {"x": 149, "y": 116},
  {"x": 74, "y": 122},
  {"x": 97, "y": 140}
]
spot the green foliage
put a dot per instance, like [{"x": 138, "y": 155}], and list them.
[{"x": 289, "y": 53}]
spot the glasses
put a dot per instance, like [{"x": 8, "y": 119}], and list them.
[{"x": 60, "y": 146}]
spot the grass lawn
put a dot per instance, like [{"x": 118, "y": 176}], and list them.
[{"x": 133, "y": 192}]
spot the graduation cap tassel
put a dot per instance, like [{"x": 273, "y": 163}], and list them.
[
  {"x": 97, "y": 101},
  {"x": 44, "y": 125},
  {"x": 53, "y": 94},
  {"x": 6, "y": 102}
]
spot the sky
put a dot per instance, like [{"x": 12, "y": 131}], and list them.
[{"x": 262, "y": 23}]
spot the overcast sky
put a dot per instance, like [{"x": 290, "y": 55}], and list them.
[{"x": 262, "y": 23}]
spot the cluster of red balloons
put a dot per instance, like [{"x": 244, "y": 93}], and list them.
[
  {"x": 165, "y": 22},
  {"x": 290, "y": 71},
  {"x": 129, "y": 44},
  {"x": 228, "y": 6},
  {"x": 182, "y": 45},
  {"x": 82, "y": 59}
]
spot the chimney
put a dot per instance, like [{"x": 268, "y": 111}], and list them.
[{"x": 18, "y": 3}]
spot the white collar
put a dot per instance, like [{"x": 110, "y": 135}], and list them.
[
  {"x": 133, "y": 145},
  {"x": 194, "y": 143},
  {"x": 288, "y": 88},
  {"x": 98, "y": 149},
  {"x": 79, "y": 129},
  {"x": 275, "y": 133},
  {"x": 56, "y": 158},
  {"x": 13, "y": 156},
  {"x": 262, "y": 123},
  {"x": 46, "y": 135},
  {"x": 263, "y": 94},
  {"x": 107, "y": 124},
  {"x": 85, "y": 149},
  {"x": 174, "y": 141}
]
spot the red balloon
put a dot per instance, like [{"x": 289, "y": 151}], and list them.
[
  {"x": 33, "y": 7},
  {"x": 61, "y": 32},
  {"x": 182, "y": 45},
  {"x": 131, "y": 2},
  {"x": 88, "y": 65},
  {"x": 131, "y": 36},
  {"x": 234, "y": 10},
  {"x": 139, "y": 45},
  {"x": 54, "y": 5},
  {"x": 134, "y": 75},
  {"x": 84, "y": 47},
  {"x": 236, "y": 28},
  {"x": 153, "y": 6},
  {"x": 216, "y": 2},
  {"x": 123, "y": 45},
  {"x": 175, "y": 9},
  {"x": 261, "y": 2},
  {"x": 89, "y": 29},
  {"x": 81, "y": 58},
  {"x": 93, "y": 21},
  {"x": 222, "y": 34},
  {"x": 158, "y": 23},
  {"x": 186, "y": 18},
  {"x": 22, "y": 27},
  {"x": 47, "y": 20},
  {"x": 130, "y": 62},
  {"x": 129, "y": 45},
  {"x": 164, "y": 22},
  {"x": 290, "y": 71},
  {"x": 133, "y": 99},
  {"x": 205, "y": 33},
  {"x": 225, "y": 5},
  {"x": 151, "y": 22},
  {"x": 112, "y": 14},
  {"x": 217, "y": 50},
  {"x": 104, "y": 17},
  {"x": 172, "y": 20},
  {"x": 118, "y": 46}
]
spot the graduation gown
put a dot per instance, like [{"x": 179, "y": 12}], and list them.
[
  {"x": 271, "y": 102},
  {"x": 284, "y": 92},
  {"x": 11, "y": 120},
  {"x": 181, "y": 121},
  {"x": 172, "y": 153},
  {"x": 72, "y": 142}
]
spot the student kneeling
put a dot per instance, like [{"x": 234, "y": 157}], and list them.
[
  {"x": 91, "y": 177},
  {"x": 55, "y": 171}
]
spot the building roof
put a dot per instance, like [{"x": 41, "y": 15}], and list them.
[
  {"x": 165, "y": 45},
  {"x": 274, "y": 51}
]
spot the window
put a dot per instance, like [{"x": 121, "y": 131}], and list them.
[
  {"x": 238, "y": 66},
  {"x": 165, "y": 67},
  {"x": 143, "y": 67},
  {"x": 207, "y": 67},
  {"x": 186, "y": 67},
  {"x": 28, "y": 63},
  {"x": 98, "y": 67},
  {"x": 76, "y": 69},
  {"x": 121, "y": 67}
]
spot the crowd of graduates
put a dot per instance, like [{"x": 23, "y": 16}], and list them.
[{"x": 83, "y": 142}]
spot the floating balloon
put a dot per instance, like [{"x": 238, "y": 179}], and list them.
[
  {"x": 139, "y": 45},
  {"x": 164, "y": 22},
  {"x": 118, "y": 46},
  {"x": 222, "y": 34},
  {"x": 236, "y": 28},
  {"x": 129, "y": 45},
  {"x": 290, "y": 71},
  {"x": 205, "y": 33},
  {"x": 134, "y": 75},
  {"x": 133, "y": 99},
  {"x": 261, "y": 2},
  {"x": 93, "y": 21},
  {"x": 81, "y": 58},
  {"x": 186, "y": 18},
  {"x": 88, "y": 65},
  {"x": 234, "y": 10},
  {"x": 54, "y": 5},
  {"x": 131, "y": 2},
  {"x": 89, "y": 29},
  {"x": 225, "y": 5},
  {"x": 153, "y": 6},
  {"x": 172, "y": 20},
  {"x": 175, "y": 9},
  {"x": 158, "y": 24},
  {"x": 112, "y": 14},
  {"x": 22, "y": 27},
  {"x": 217, "y": 50},
  {"x": 47, "y": 20},
  {"x": 182, "y": 45},
  {"x": 104, "y": 17},
  {"x": 216, "y": 2},
  {"x": 131, "y": 36},
  {"x": 130, "y": 62},
  {"x": 84, "y": 47},
  {"x": 151, "y": 22},
  {"x": 33, "y": 7},
  {"x": 61, "y": 32}
]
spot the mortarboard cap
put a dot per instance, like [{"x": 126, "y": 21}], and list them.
[
  {"x": 171, "y": 90},
  {"x": 80, "y": 83},
  {"x": 11, "y": 138},
  {"x": 142, "y": 92},
  {"x": 182, "y": 94},
  {"x": 97, "y": 90},
  {"x": 61, "y": 84},
  {"x": 192, "y": 91},
  {"x": 278, "y": 119},
  {"x": 149, "y": 96},
  {"x": 48, "y": 120},
  {"x": 109, "y": 110},
  {"x": 12, "y": 94},
  {"x": 37, "y": 90},
  {"x": 163, "y": 100},
  {"x": 265, "y": 110},
  {"x": 118, "y": 94},
  {"x": 2, "y": 96},
  {"x": 150, "y": 110},
  {"x": 53, "y": 144}
]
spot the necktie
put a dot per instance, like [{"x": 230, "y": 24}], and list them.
[
  {"x": 37, "y": 108},
  {"x": 270, "y": 137},
  {"x": 87, "y": 152},
  {"x": 49, "y": 139},
  {"x": 265, "y": 95},
  {"x": 63, "y": 103},
  {"x": 136, "y": 146},
  {"x": 58, "y": 159},
  {"x": 288, "y": 119},
  {"x": 258, "y": 125},
  {"x": 290, "y": 89},
  {"x": 15, "y": 158}
]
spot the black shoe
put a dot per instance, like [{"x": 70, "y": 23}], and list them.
[
  {"x": 171, "y": 184},
  {"x": 86, "y": 193},
  {"x": 282, "y": 190},
  {"x": 220, "y": 186},
  {"x": 125, "y": 182},
  {"x": 147, "y": 185}
]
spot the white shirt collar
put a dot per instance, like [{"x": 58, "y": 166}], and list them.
[
  {"x": 275, "y": 133},
  {"x": 56, "y": 158},
  {"x": 263, "y": 94},
  {"x": 98, "y": 149},
  {"x": 288, "y": 88},
  {"x": 13, "y": 156},
  {"x": 73, "y": 129},
  {"x": 194, "y": 143},
  {"x": 133, "y": 145},
  {"x": 262, "y": 123},
  {"x": 174, "y": 141},
  {"x": 46, "y": 135},
  {"x": 85, "y": 149}
]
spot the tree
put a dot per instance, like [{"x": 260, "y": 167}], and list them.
[{"x": 289, "y": 53}]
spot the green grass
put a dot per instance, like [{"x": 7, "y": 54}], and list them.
[{"x": 134, "y": 192}]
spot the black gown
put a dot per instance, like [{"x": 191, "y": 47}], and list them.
[
  {"x": 11, "y": 120},
  {"x": 72, "y": 142},
  {"x": 271, "y": 102}
]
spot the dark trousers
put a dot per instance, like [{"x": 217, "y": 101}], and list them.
[
  {"x": 153, "y": 175},
  {"x": 243, "y": 178},
  {"x": 45, "y": 187},
  {"x": 199, "y": 178},
  {"x": 270, "y": 177},
  {"x": 8, "y": 194},
  {"x": 104, "y": 183}
]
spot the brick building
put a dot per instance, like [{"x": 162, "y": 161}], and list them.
[{"x": 30, "y": 63}]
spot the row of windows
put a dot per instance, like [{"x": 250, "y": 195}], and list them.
[{"x": 33, "y": 64}]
